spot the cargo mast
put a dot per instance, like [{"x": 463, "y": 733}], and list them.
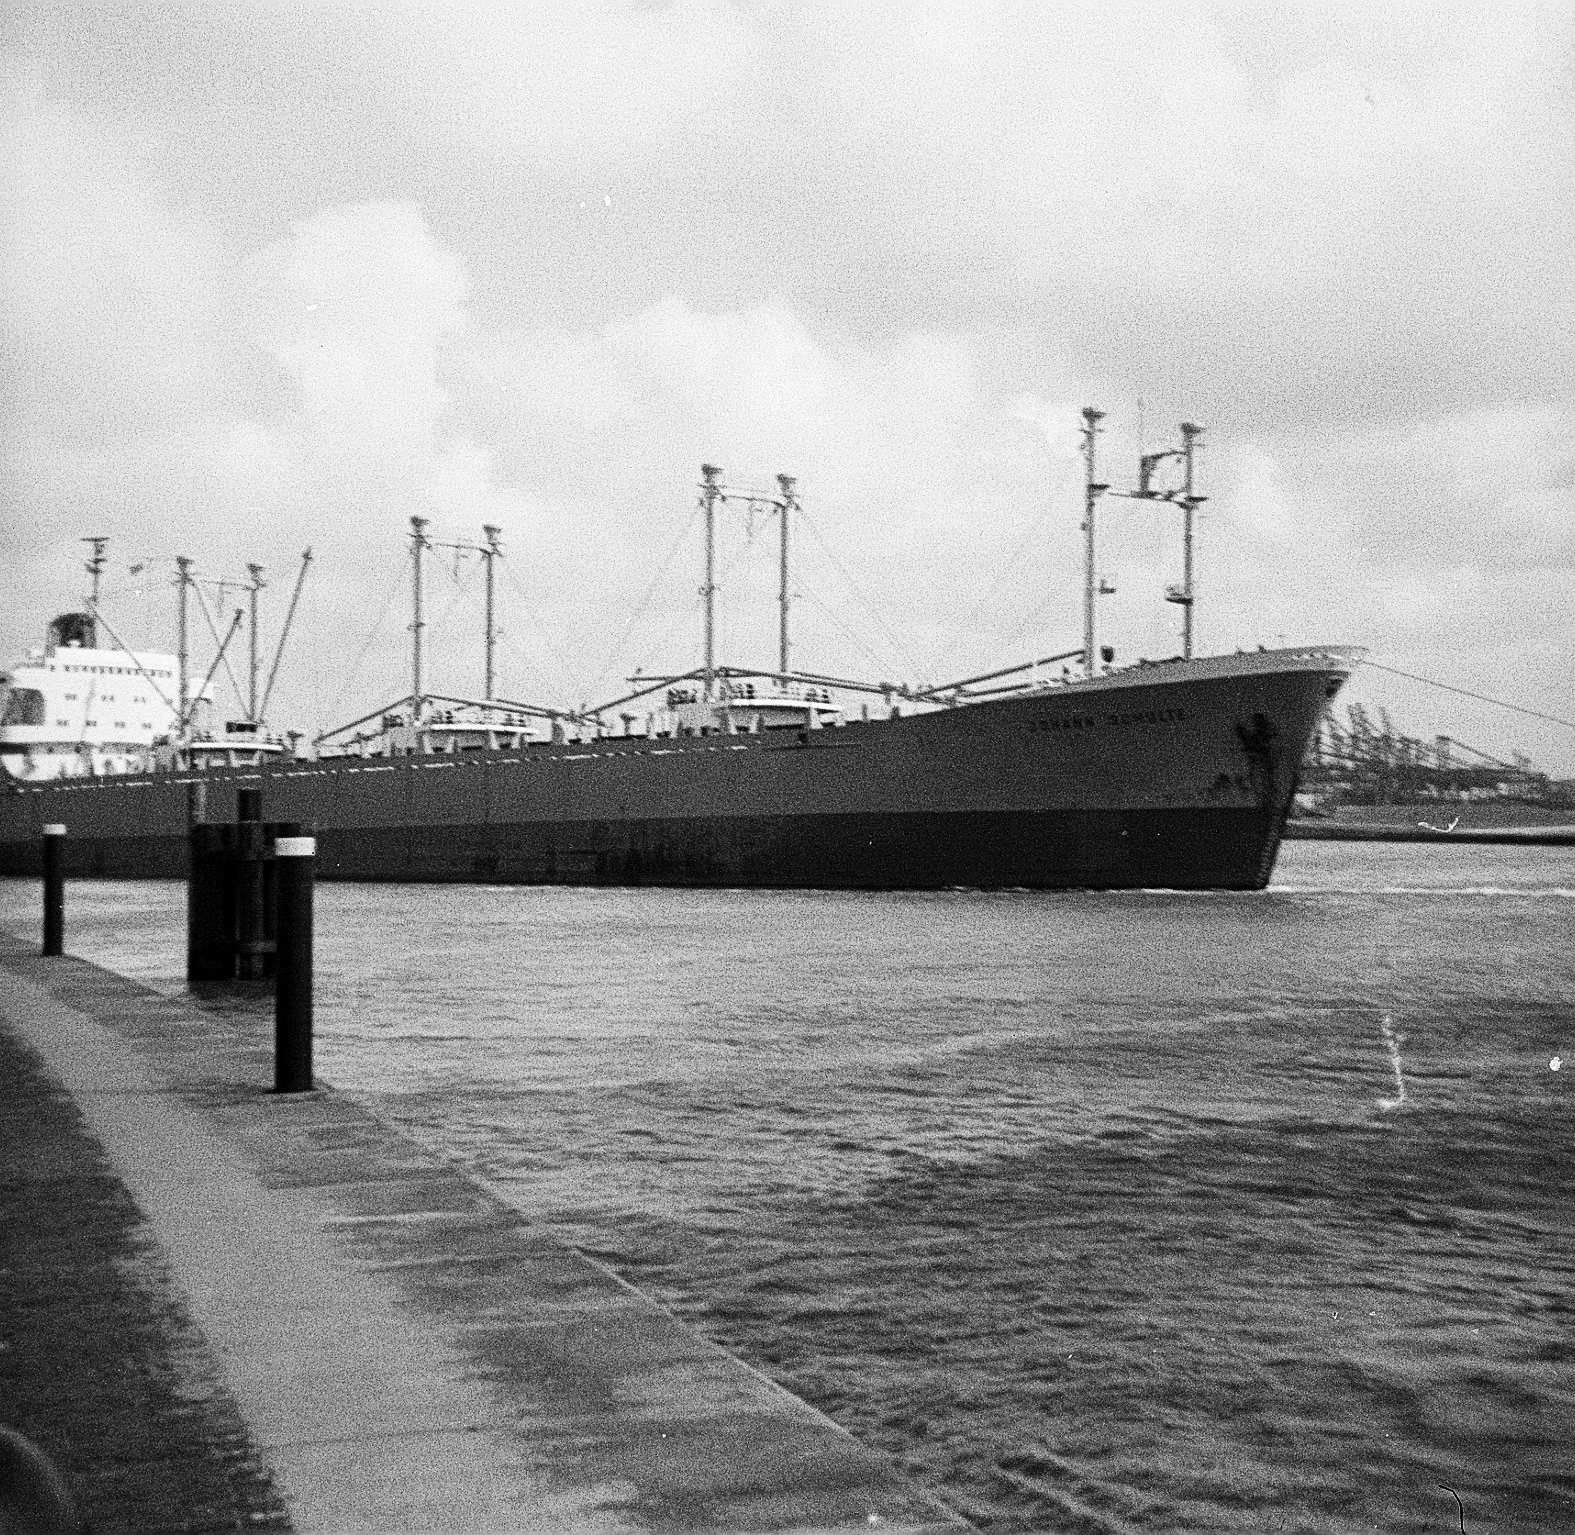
[
  {"x": 257, "y": 584},
  {"x": 284, "y": 633},
  {"x": 183, "y": 639},
  {"x": 1189, "y": 503},
  {"x": 1184, "y": 595},
  {"x": 422, "y": 720},
  {"x": 785, "y": 510},
  {"x": 418, "y": 546},
  {"x": 489, "y": 554},
  {"x": 1092, "y": 490},
  {"x": 490, "y": 551},
  {"x": 710, "y": 490},
  {"x": 95, "y": 568}
]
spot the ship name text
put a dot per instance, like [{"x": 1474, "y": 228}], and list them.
[{"x": 1093, "y": 721}]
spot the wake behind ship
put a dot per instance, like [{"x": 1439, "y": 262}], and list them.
[{"x": 1175, "y": 774}]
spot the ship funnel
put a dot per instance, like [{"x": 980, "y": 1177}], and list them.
[{"x": 73, "y": 629}]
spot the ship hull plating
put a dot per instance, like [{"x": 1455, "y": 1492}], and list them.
[
  {"x": 1165, "y": 777},
  {"x": 1035, "y": 850}
]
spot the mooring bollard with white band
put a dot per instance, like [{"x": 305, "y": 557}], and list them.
[
  {"x": 54, "y": 890},
  {"x": 295, "y": 861}
]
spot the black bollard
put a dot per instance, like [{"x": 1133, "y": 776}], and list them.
[
  {"x": 210, "y": 905},
  {"x": 54, "y": 890},
  {"x": 251, "y": 904},
  {"x": 295, "y": 860}
]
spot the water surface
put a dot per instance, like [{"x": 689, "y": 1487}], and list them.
[{"x": 1139, "y": 1211}]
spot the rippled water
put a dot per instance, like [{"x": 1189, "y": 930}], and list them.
[{"x": 1136, "y": 1211}]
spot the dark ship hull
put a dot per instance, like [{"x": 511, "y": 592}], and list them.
[{"x": 1178, "y": 775}]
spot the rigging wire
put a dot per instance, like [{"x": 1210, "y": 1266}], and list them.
[
  {"x": 526, "y": 662},
  {"x": 139, "y": 577},
  {"x": 1030, "y": 623},
  {"x": 1467, "y": 693},
  {"x": 736, "y": 599},
  {"x": 459, "y": 591},
  {"x": 733, "y": 608},
  {"x": 355, "y": 665},
  {"x": 858, "y": 641},
  {"x": 680, "y": 616},
  {"x": 853, "y": 586},
  {"x": 452, "y": 571},
  {"x": 569, "y": 674},
  {"x": 685, "y": 613},
  {"x": 526, "y": 668},
  {"x": 643, "y": 603},
  {"x": 568, "y": 682},
  {"x": 1011, "y": 563}
]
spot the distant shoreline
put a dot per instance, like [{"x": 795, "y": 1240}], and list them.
[{"x": 1334, "y": 829}]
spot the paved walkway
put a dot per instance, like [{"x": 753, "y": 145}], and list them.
[
  {"x": 224, "y": 1309},
  {"x": 101, "y": 1365}
]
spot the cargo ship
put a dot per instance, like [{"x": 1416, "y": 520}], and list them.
[{"x": 1175, "y": 774}]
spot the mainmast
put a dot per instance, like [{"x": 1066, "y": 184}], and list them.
[
  {"x": 784, "y": 598},
  {"x": 489, "y": 554},
  {"x": 418, "y": 545},
  {"x": 710, "y": 490},
  {"x": 1091, "y": 493}
]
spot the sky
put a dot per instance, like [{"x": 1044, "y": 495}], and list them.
[{"x": 286, "y": 276}]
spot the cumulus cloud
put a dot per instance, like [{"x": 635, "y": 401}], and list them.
[
  {"x": 354, "y": 304},
  {"x": 532, "y": 267},
  {"x": 134, "y": 403}
]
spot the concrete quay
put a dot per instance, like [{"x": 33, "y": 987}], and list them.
[{"x": 225, "y": 1309}]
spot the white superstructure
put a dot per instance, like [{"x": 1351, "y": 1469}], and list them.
[{"x": 74, "y": 710}]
